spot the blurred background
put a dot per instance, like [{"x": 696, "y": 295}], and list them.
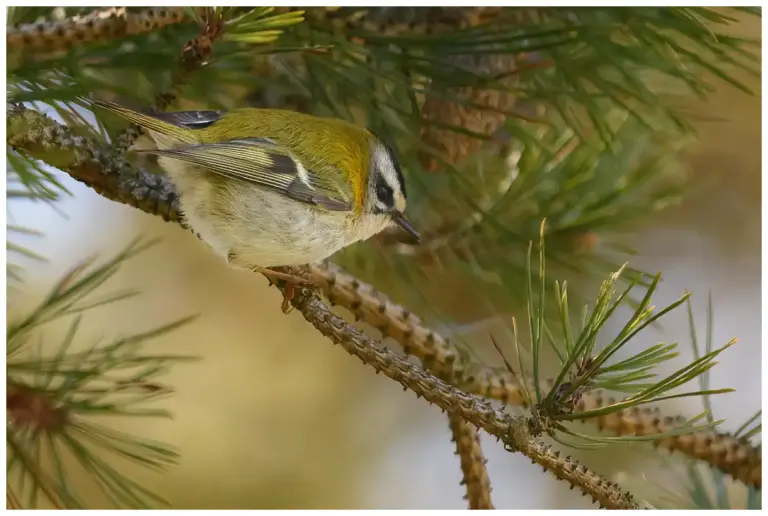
[{"x": 274, "y": 416}]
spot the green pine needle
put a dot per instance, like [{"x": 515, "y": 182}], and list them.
[
  {"x": 583, "y": 368},
  {"x": 53, "y": 396},
  {"x": 747, "y": 430},
  {"x": 260, "y": 27}
]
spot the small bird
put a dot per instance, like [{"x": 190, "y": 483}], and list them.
[{"x": 269, "y": 187}]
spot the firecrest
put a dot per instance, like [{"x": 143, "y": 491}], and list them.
[{"x": 267, "y": 187}]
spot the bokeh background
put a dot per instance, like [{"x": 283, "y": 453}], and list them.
[{"x": 274, "y": 416}]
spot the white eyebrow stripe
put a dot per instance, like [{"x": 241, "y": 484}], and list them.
[{"x": 386, "y": 168}]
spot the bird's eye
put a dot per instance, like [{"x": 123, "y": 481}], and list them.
[{"x": 385, "y": 195}]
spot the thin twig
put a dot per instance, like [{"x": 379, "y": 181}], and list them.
[
  {"x": 474, "y": 472},
  {"x": 97, "y": 26}
]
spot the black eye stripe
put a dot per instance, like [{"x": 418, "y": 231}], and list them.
[
  {"x": 384, "y": 192},
  {"x": 395, "y": 162}
]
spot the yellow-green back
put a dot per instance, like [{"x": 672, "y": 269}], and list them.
[
  {"x": 323, "y": 145},
  {"x": 333, "y": 149}
]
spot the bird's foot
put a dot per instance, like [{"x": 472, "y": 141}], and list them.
[{"x": 291, "y": 282}]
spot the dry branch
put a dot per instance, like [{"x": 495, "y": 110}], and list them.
[
  {"x": 731, "y": 455},
  {"x": 473, "y": 470},
  {"x": 89, "y": 162},
  {"x": 513, "y": 431},
  {"x": 98, "y": 26}
]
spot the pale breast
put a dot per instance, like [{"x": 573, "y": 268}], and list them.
[
  {"x": 264, "y": 228},
  {"x": 259, "y": 226}
]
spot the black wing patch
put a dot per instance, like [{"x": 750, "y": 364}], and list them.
[
  {"x": 301, "y": 192},
  {"x": 190, "y": 119},
  {"x": 262, "y": 162}
]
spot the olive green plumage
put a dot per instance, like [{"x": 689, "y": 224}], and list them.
[
  {"x": 336, "y": 152},
  {"x": 272, "y": 187}
]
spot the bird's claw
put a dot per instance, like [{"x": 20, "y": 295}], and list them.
[{"x": 291, "y": 281}]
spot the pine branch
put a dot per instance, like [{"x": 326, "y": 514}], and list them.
[
  {"x": 51, "y": 398},
  {"x": 670, "y": 41},
  {"x": 733, "y": 456},
  {"x": 89, "y": 162},
  {"x": 36, "y": 134},
  {"x": 514, "y": 432},
  {"x": 473, "y": 469},
  {"x": 96, "y": 27}
]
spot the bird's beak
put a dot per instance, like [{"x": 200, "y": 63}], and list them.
[{"x": 399, "y": 219}]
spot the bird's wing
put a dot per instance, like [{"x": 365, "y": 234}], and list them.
[
  {"x": 178, "y": 126},
  {"x": 264, "y": 163},
  {"x": 190, "y": 119}
]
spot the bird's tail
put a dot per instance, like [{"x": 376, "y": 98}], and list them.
[{"x": 148, "y": 121}]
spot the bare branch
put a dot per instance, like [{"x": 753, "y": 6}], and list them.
[
  {"x": 734, "y": 456},
  {"x": 513, "y": 431},
  {"x": 474, "y": 472},
  {"x": 101, "y": 25},
  {"x": 89, "y": 162}
]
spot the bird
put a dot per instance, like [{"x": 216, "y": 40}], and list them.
[{"x": 268, "y": 188}]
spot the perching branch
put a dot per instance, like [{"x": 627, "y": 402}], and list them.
[
  {"x": 734, "y": 456},
  {"x": 514, "y": 432},
  {"x": 89, "y": 162},
  {"x": 99, "y": 26}
]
